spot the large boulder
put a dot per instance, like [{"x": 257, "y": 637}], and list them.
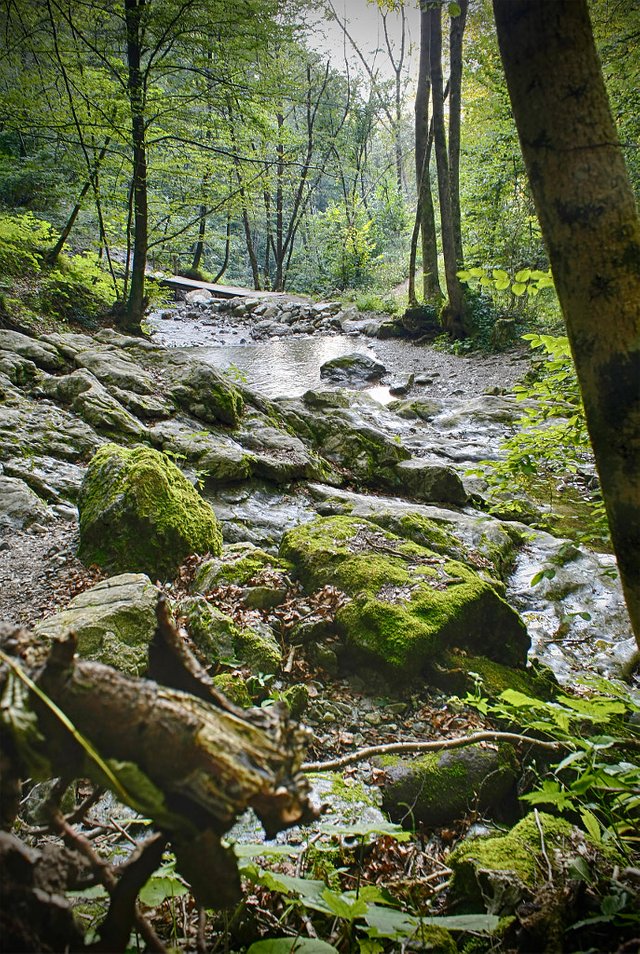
[
  {"x": 138, "y": 512},
  {"x": 113, "y": 622},
  {"x": 20, "y": 505},
  {"x": 406, "y": 603},
  {"x": 432, "y": 482},
  {"x": 439, "y": 787},
  {"x": 352, "y": 369}
]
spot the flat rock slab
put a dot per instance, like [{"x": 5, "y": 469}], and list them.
[{"x": 113, "y": 621}]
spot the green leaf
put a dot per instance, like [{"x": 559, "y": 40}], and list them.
[
  {"x": 344, "y": 907},
  {"x": 523, "y": 275},
  {"x": 363, "y": 830},
  {"x": 500, "y": 275},
  {"x": 518, "y": 289},
  {"x": 157, "y": 890},
  {"x": 592, "y": 825},
  {"x": 292, "y": 945},
  {"x": 454, "y": 9},
  {"x": 520, "y": 700}
]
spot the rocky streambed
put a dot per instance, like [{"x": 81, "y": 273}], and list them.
[{"x": 317, "y": 535}]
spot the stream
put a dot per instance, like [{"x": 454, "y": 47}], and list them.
[{"x": 576, "y": 617}]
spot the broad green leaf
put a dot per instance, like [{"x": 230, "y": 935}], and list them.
[
  {"x": 292, "y": 945},
  {"x": 362, "y": 830},
  {"x": 518, "y": 289},
  {"x": 500, "y": 275},
  {"x": 502, "y": 284},
  {"x": 523, "y": 275},
  {"x": 344, "y": 907},
  {"x": 157, "y": 890},
  {"x": 454, "y": 10},
  {"x": 520, "y": 700}
]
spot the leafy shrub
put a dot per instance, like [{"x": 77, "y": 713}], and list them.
[
  {"x": 23, "y": 238},
  {"x": 550, "y": 440}
]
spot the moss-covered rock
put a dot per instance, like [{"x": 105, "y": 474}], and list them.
[
  {"x": 234, "y": 687},
  {"x": 204, "y": 392},
  {"x": 113, "y": 622},
  {"x": 138, "y": 512},
  {"x": 431, "y": 482},
  {"x": 407, "y": 603},
  {"x": 460, "y": 673},
  {"x": 241, "y": 564},
  {"x": 297, "y": 699},
  {"x": 218, "y": 639},
  {"x": 439, "y": 787},
  {"x": 501, "y": 871}
]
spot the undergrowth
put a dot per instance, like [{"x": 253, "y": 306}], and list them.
[{"x": 75, "y": 289}]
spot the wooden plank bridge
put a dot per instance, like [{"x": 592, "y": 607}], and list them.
[{"x": 179, "y": 283}]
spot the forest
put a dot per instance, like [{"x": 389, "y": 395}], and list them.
[{"x": 320, "y": 476}]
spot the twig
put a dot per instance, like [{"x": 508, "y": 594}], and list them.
[
  {"x": 201, "y": 937},
  {"x": 542, "y": 845},
  {"x": 433, "y": 746}
]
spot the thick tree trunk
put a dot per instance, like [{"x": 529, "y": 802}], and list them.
[
  {"x": 453, "y": 314},
  {"x": 136, "y": 303},
  {"x": 591, "y": 228},
  {"x": 430, "y": 283},
  {"x": 455, "y": 113}
]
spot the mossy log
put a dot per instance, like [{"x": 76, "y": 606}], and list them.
[{"x": 184, "y": 756}]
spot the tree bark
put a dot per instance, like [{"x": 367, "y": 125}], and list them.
[
  {"x": 430, "y": 283},
  {"x": 180, "y": 752},
  {"x": 591, "y": 228},
  {"x": 456, "y": 34},
  {"x": 133, "y": 10},
  {"x": 453, "y": 313}
]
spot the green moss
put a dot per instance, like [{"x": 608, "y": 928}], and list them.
[
  {"x": 258, "y": 648},
  {"x": 406, "y": 601},
  {"x": 458, "y": 673},
  {"x": 239, "y": 565},
  {"x": 213, "y": 633},
  {"x": 297, "y": 699},
  {"x": 519, "y": 852},
  {"x": 436, "y": 939},
  {"x": 138, "y": 512},
  {"x": 351, "y": 792},
  {"x": 234, "y": 688}
]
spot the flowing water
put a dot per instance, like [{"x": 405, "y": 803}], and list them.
[{"x": 577, "y": 619}]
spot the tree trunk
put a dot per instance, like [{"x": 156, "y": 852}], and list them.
[
  {"x": 227, "y": 250},
  {"x": 279, "y": 251},
  {"x": 453, "y": 313},
  {"x": 430, "y": 283},
  {"x": 591, "y": 228},
  {"x": 133, "y": 10},
  {"x": 455, "y": 112},
  {"x": 198, "y": 251},
  {"x": 52, "y": 255}
]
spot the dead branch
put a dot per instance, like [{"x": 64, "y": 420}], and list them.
[{"x": 433, "y": 746}]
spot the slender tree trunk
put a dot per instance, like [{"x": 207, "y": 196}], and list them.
[
  {"x": 592, "y": 231},
  {"x": 198, "y": 251},
  {"x": 53, "y": 253},
  {"x": 430, "y": 283},
  {"x": 455, "y": 113},
  {"x": 227, "y": 250},
  {"x": 453, "y": 313},
  {"x": 136, "y": 303},
  {"x": 279, "y": 250}
]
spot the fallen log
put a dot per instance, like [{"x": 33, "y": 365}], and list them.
[{"x": 189, "y": 760}]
